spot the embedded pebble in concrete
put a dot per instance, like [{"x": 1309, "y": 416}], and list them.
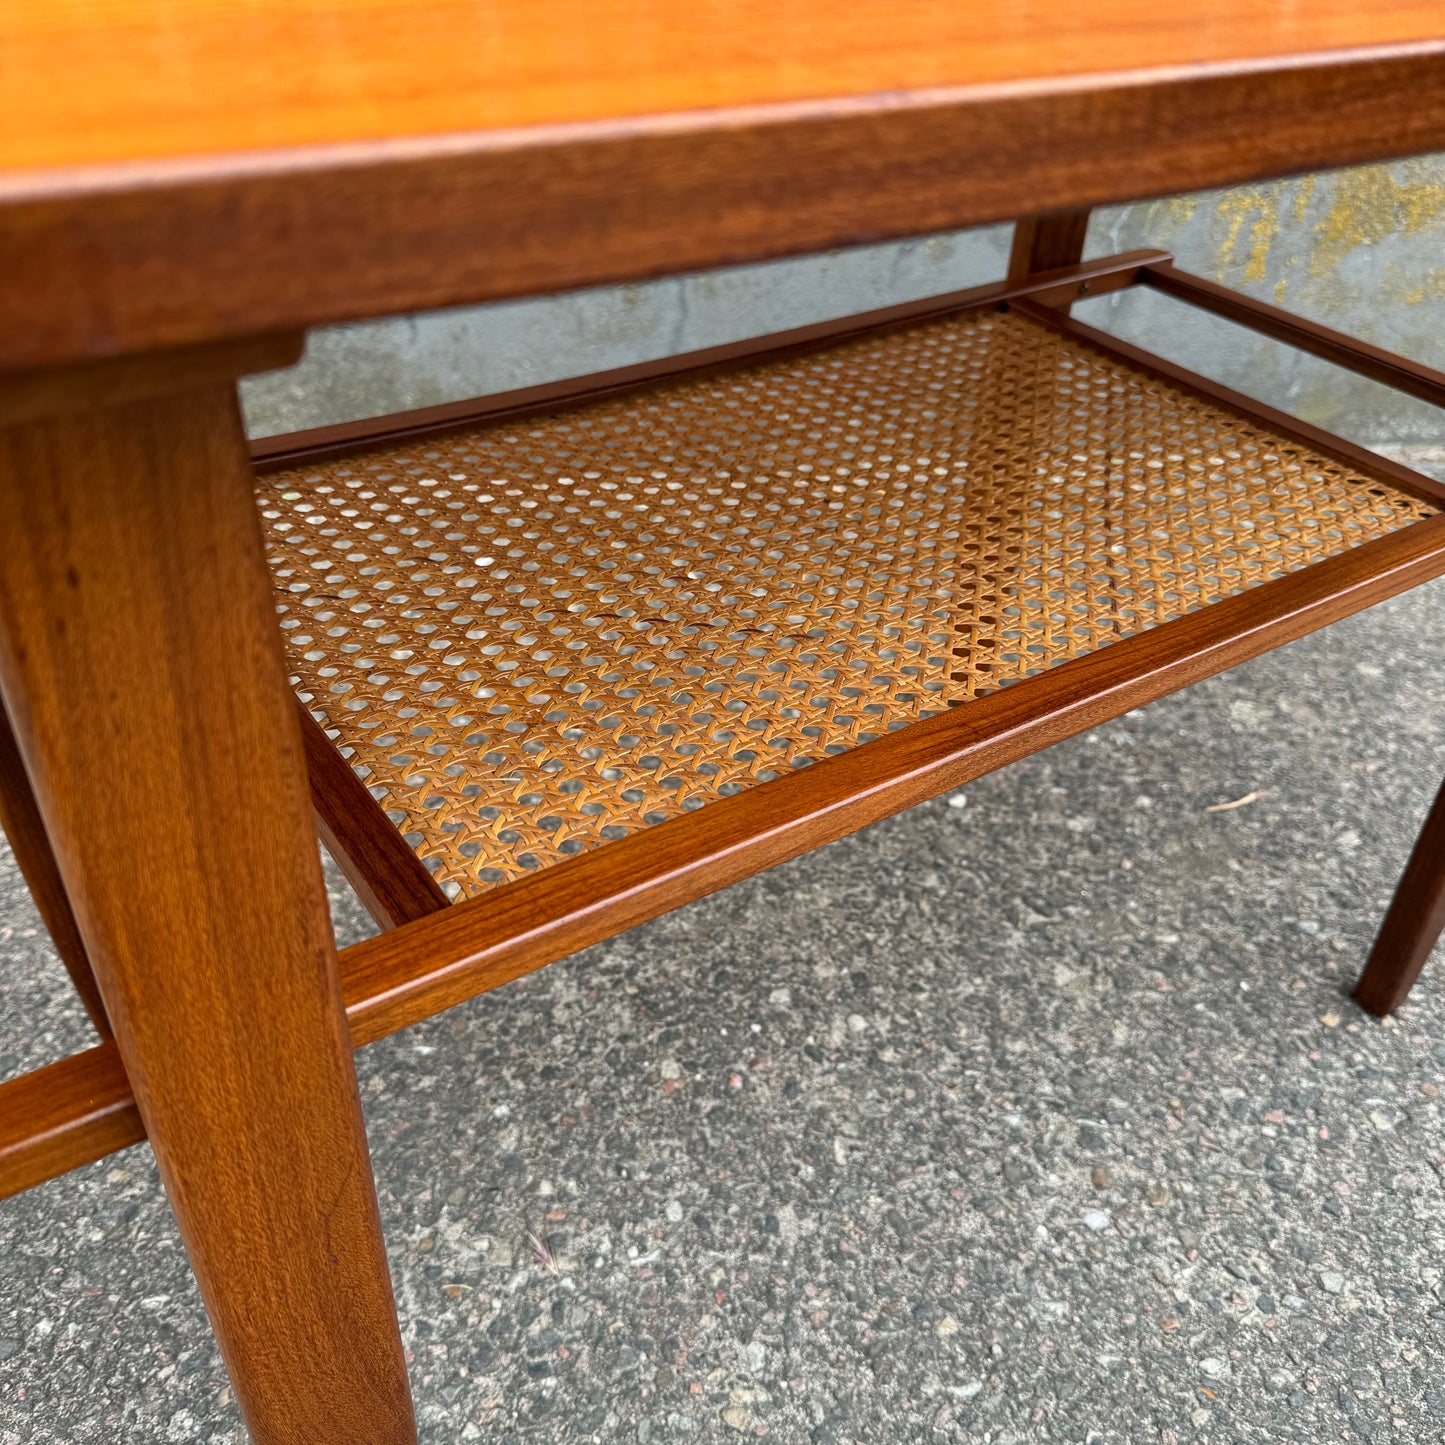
[{"x": 1041, "y": 1120}]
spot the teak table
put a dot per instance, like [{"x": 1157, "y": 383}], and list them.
[{"x": 573, "y": 656}]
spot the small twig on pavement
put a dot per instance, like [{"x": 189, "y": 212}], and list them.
[{"x": 1243, "y": 802}]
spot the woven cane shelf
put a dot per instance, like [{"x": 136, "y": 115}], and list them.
[{"x": 543, "y": 634}]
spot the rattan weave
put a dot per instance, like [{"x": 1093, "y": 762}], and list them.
[{"x": 539, "y": 635}]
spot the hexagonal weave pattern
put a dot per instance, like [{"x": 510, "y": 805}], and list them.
[{"x": 542, "y": 634}]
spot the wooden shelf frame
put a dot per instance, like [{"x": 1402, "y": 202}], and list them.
[{"x": 434, "y": 954}]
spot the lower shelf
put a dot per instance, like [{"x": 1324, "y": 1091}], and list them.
[
  {"x": 688, "y": 632},
  {"x": 549, "y": 633}
]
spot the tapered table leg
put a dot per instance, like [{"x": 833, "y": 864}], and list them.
[
  {"x": 1413, "y": 924},
  {"x": 141, "y": 668}
]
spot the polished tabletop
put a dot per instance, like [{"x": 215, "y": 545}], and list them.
[
  {"x": 175, "y": 171},
  {"x": 88, "y": 83}
]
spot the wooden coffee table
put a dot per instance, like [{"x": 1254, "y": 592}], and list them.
[{"x": 571, "y": 657}]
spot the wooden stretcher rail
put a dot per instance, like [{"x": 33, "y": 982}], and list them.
[
  {"x": 24, "y": 829},
  {"x": 1348, "y": 351},
  {"x": 79, "y": 1109},
  {"x": 1051, "y": 288},
  {"x": 390, "y": 880},
  {"x": 1394, "y": 474}
]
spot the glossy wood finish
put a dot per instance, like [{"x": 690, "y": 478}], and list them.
[
  {"x": 388, "y": 877},
  {"x": 1379, "y": 365},
  {"x": 1414, "y": 923},
  {"x": 399, "y": 977},
  {"x": 141, "y": 669},
  {"x": 1048, "y": 243},
  {"x": 377, "y": 158},
  {"x": 326, "y": 443},
  {"x": 71, "y": 1112},
  {"x": 21, "y": 823}
]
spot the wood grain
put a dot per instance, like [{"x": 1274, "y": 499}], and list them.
[
  {"x": 24, "y": 829},
  {"x": 1045, "y": 243},
  {"x": 69, "y": 1113},
  {"x": 141, "y": 668},
  {"x": 1414, "y": 923},
  {"x": 47, "y": 389},
  {"x": 102, "y": 258}
]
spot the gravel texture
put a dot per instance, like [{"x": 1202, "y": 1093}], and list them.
[{"x": 1037, "y": 1113}]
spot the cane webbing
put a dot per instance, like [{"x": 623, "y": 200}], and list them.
[{"x": 542, "y": 634}]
